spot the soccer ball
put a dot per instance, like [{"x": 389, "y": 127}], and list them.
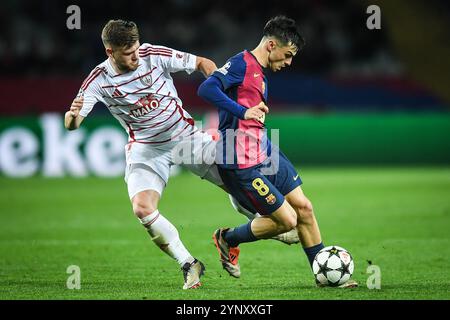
[{"x": 332, "y": 266}]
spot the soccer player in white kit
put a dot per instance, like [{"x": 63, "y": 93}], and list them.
[{"x": 136, "y": 86}]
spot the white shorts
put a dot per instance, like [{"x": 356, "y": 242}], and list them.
[
  {"x": 148, "y": 166},
  {"x": 141, "y": 177}
]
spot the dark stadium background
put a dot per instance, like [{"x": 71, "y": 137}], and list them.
[
  {"x": 361, "y": 108},
  {"x": 356, "y": 95}
]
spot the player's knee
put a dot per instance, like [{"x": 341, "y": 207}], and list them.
[
  {"x": 287, "y": 223},
  {"x": 305, "y": 212},
  {"x": 291, "y": 224},
  {"x": 143, "y": 209}
]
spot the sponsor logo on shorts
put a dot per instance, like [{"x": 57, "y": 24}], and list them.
[{"x": 271, "y": 199}]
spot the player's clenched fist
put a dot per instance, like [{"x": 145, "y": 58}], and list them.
[
  {"x": 76, "y": 106},
  {"x": 257, "y": 112}
]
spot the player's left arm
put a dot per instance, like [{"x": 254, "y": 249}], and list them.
[
  {"x": 205, "y": 66},
  {"x": 212, "y": 90},
  {"x": 173, "y": 60}
]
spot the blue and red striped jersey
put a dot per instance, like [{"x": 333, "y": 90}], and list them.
[{"x": 243, "y": 143}]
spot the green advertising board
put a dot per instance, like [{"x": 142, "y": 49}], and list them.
[{"x": 41, "y": 145}]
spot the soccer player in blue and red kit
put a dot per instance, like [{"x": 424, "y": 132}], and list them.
[{"x": 254, "y": 171}]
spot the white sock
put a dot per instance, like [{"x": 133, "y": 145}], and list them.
[{"x": 166, "y": 237}]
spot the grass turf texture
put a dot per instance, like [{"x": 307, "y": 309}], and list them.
[{"x": 398, "y": 218}]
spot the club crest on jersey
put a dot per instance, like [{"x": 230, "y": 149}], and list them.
[
  {"x": 147, "y": 80},
  {"x": 271, "y": 199}
]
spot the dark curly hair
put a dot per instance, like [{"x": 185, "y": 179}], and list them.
[{"x": 285, "y": 30}]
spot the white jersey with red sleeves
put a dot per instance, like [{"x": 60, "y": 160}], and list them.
[{"x": 144, "y": 101}]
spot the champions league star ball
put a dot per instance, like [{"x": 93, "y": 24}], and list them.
[{"x": 332, "y": 266}]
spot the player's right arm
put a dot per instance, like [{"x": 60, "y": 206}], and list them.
[
  {"x": 87, "y": 97},
  {"x": 72, "y": 118}
]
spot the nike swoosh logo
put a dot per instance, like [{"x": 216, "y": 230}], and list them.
[
  {"x": 256, "y": 75},
  {"x": 296, "y": 177}
]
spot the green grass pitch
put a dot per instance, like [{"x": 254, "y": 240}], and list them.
[{"x": 396, "y": 218}]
